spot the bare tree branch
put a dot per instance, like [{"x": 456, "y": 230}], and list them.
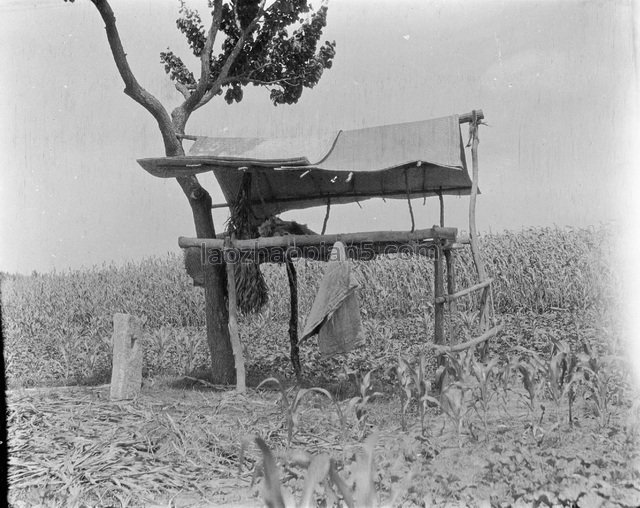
[
  {"x": 205, "y": 59},
  {"x": 132, "y": 87},
  {"x": 183, "y": 89},
  {"x": 173, "y": 146},
  {"x": 285, "y": 80}
]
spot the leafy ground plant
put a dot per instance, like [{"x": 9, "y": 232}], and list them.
[
  {"x": 484, "y": 389},
  {"x": 404, "y": 380},
  {"x": 291, "y": 405},
  {"x": 357, "y": 490},
  {"x": 531, "y": 371},
  {"x": 359, "y": 404},
  {"x": 415, "y": 385},
  {"x": 601, "y": 380},
  {"x": 561, "y": 380},
  {"x": 454, "y": 404},
  {"x": 455, "y": 382}
]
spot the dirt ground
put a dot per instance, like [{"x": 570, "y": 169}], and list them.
[{"x": 194, "y": 447}]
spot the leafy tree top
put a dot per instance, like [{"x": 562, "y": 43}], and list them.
[{"x": 274, "y": 46}]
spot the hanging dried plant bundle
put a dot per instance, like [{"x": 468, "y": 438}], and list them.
[{"x": 251, "y": 288}]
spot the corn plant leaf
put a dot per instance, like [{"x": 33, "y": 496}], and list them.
[
  {"x": 341, "y": 485},
  {"x": 353, "y": 402},
  {"x": 272, "y": 491},
  {"x": 432, "y": 400},
  {"x": 273, "y": 380},
  {"x": 317, "y": 472},
  {"x": 365, "y": 493}
]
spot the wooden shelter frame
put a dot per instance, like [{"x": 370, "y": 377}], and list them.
[{"x": 438, "y": 242}]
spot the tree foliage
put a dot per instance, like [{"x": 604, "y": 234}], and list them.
[{"x": 279, "y": 49}]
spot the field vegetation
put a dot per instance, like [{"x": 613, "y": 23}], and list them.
[{"x": 547, "y": 419}]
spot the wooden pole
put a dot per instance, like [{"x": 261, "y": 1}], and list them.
[
  {"x": 406, "y": 184},
  {"x": 438, "y": 291},
  {"x": 373, "y": 237},
  {"x": 476, "y": 114},
  {"x": 293, "y": 318},
  {"x": 450, "y": 258},
  {"x": 186, "y": 136},
  {"x": 473, "y": 234},
  {"x": 451, "y": 271},
  {"x": 238, "y": 355},
  {"x": 454, "y": 296},
  {"x": 326, "y": 217},
  {"x": 484, "y": 319},
  {"x": 441, "y": 200},
  {"x": 438, "y": 308},
  {"x": 466, "y": 345}
]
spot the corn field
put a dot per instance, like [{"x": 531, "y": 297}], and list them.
[
  {"x": 551, "y": 418},
  {"x": 57, "y": 326}
]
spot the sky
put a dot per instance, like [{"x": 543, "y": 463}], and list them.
[{"x": 556, "y": 79}]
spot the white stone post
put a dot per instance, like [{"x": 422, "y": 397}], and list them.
[{"x": 126, "y": 374}]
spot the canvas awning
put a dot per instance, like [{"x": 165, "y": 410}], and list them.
[{"x": 391, "y": 161}]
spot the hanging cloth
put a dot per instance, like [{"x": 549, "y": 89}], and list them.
[{"x": 335, "y": 313}]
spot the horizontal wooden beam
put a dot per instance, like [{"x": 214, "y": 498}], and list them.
[
  {"x": 463, "y": 292},
  {"x": 467, "y": 117},
  {"x": 466, "y": 345},
  {"x": 187, "y": 136},
  {"x": 453, "y": 191},
  {"x": 288, "y": 241}
]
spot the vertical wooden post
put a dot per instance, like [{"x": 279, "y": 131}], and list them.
[
  {"x": 441, "y": 200},
  {"x": 236, "y": 345},
  {"x": 484, "y": 320},
  {"x": 438, "y": 291},
  {"x": 326, "y": 217},
  {"x": 451, "y": 271},
  {"x": 406, "y": 184},
  {"x": 438, "y": 308},
  {"x": 473, "y": 234},
  {"x": 293, "y": 318},
  {"x": 449, "y": 256}
]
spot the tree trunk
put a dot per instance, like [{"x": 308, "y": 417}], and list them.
[
  {"x": 215, "y": 299},
  {"x": 216, "y": 311},
  {"x": 217, "y": 315}
]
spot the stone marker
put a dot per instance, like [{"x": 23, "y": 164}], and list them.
[{"x": 126, "y": 373}]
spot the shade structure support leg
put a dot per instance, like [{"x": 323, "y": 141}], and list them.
[
  {"x": 292, "y": 277},
  {"x": 236, "y": 344},
  {"x": 473, "y": 234},
  {"x": 441, "y": 201},
  {"x": 450, "y": 260},
  {"x": 438, "y": 308},
  {"x": 406, "y": 183},
  {"x": 326, "y": 217}
]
